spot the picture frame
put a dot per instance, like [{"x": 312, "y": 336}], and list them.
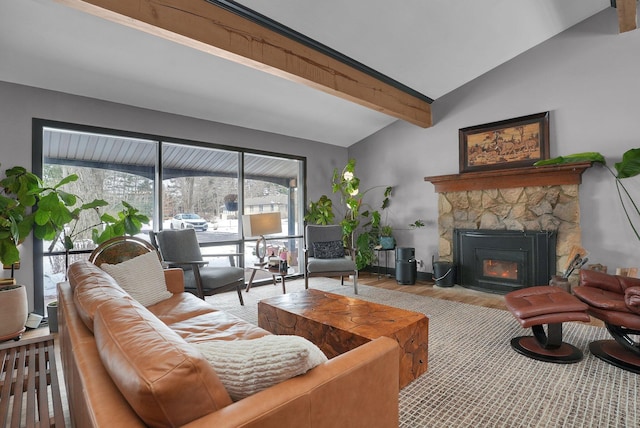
[{"x": 511, "y": 143}]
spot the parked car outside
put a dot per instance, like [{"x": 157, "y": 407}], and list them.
[{"x": 190, "y": 220}]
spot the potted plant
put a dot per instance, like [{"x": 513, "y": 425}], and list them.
[
  {"x": 21, "y": 190},
  {"x": 231, "y": 202},
  {"x": 387, "y": 241},
  {"x": 361, "y": 223}
]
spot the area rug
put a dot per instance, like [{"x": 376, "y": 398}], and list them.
[{"x": 475, "y": 379}]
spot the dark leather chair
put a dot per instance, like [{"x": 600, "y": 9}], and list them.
[
  {"x": 325, "y": 264},
  {"x": 180, "y": 248},
  {"x": 616, "y": 301}
]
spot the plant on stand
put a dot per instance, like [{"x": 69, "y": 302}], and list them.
[
  {"x": 362, "y": 226},
  {"x": 21, "y": 191},
  {"x": 27, "y": 205}
]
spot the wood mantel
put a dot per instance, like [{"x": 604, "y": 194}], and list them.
[{"x": 505, "y": 178}]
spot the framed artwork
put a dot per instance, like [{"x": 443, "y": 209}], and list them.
[{"x": 511, "y": 143}]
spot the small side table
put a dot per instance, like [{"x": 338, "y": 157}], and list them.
[
  {"x": 386, "y": 260},
  {"x": 28, "y": 378},
  {"x": 274, "y": 273}
]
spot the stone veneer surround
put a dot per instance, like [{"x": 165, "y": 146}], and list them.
[
  {"x": 532, "y": 198},
  {"x": 538, "y": 208}
]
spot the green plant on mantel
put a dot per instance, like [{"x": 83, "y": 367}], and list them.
[{"x": 628, "y": 167}]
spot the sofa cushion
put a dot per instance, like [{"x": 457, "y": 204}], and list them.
[
  {"x": 164, "y": 379},
  {"x": 142, "y": 277},
  {"x": 179, "y": 307},
  {"x": 249, "y": 366},
  {"x": 315, "y": 265},
  {"x": 218, "y": 325},
  {"x": 91, "y": 287}
]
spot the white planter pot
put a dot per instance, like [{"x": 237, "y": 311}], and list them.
[{"x": 14, "y": 310}]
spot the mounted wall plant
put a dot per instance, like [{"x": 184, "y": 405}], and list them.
[{"x": 628, "y": 167}]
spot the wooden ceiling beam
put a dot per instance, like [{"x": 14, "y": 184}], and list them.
[
  {"x": 626, "y": 15},
  {"x": 210, "y": 28}
]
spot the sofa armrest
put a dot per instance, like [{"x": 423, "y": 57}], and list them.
[
  {"x": 359, "y": 387},
  {"x": 174, "y": 277}
]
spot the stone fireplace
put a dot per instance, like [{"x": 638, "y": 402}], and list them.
[{"x": 533, "y": 199}]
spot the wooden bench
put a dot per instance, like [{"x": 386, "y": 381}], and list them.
[{"x": 29, "y": 388}]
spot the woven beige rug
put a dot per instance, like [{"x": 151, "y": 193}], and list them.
[{"x": 475, "y": 379}]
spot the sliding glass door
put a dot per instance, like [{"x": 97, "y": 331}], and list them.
[{"x": 177, "y": 184}]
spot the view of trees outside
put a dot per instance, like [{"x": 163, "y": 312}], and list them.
[
  {"x": 95, "y": 183},
  {"x": 197, "y": 180}
]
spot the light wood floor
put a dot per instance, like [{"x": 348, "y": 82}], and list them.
[
  {"x": 428, "y": 288},
  {"x": 455, "y": 293}
]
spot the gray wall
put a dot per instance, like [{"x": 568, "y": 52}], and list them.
[
  {"x": 20, "y": 104},
  {"x": 586, "y": 77}
]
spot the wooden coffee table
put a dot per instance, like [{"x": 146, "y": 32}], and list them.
[{"x": 337, "y": 324}]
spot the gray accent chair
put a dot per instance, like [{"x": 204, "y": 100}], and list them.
[
  {"x": 180, "y": 248},
  {"x": 342, "y": 266}
]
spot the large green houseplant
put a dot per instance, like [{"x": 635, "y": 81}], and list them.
[
  {"x": 21, "y": 191},
  {"x": 52, "y": 214},
  {"x": 362, "y": 225},
  {"x": 628, "y": 167},
  {"x": 360, "y": 222}
]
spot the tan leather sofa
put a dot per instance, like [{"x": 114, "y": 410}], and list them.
[{"x": 127, "y": 365}]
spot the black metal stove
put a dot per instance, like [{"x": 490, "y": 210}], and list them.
[{"x": 500, "y": 261}]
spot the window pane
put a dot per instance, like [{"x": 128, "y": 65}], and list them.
[
  {"x": 108, "y": 167},
  {"x": 271, "y": 185},
  {"x": 200, "y": 191}
]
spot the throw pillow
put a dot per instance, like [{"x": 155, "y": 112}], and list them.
[
  {"x": 142, "y": 277},
  {"x": 249, "y": 366},
  {"x": 328, "y": 250}
]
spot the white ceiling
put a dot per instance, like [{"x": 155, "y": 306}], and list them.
[{"x": 432, "y": 46}]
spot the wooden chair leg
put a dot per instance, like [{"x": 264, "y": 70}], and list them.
[{"x": 240, "y": 295}]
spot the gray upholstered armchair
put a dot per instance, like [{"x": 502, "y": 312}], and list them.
[
  {"x": 325, "y": 255},
  {"x": 180, "y": 248}
]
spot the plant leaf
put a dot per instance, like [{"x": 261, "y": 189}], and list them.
[
  {"x": 574, "y": 158},
  {"x": 630, "y": 164}
]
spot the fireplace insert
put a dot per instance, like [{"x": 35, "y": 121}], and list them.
[{"x": 500, "y": 261}]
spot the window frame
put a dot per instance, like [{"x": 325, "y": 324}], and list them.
[{"x": 38, "y": 126}]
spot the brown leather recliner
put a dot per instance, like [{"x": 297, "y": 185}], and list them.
[{"x": 616, "y": 301}]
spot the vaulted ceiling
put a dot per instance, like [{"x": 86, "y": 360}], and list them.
[{"x": 431, "y": 47}]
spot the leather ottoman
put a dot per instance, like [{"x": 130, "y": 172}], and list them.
[{"x": 535, "y": 306}]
